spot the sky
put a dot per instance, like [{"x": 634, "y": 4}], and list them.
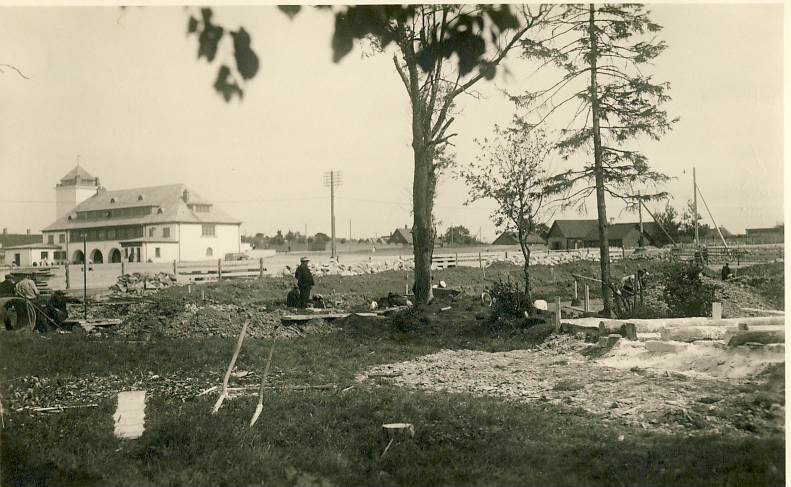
[{"x": 123, "y": 92}]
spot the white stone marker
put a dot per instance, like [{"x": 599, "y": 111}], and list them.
[
  {"x": 130, "y": 415},
  {"x": 716, "y": 310}
]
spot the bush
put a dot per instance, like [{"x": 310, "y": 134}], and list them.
[
  {"x": 509, "y": 300},
  {"x": 685, "y": 292}
]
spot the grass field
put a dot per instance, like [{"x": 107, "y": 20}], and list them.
[{"x": 334, "y": 437}]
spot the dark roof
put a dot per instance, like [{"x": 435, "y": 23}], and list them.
[
  {"x": 510, "y": 238},
  {"x": 589, "y": 229},
  {"x": 36, "y": 245},
  {"x": 405, "y": 235},
  {"x": 77, "y": 171},
  {"x": 169, "y": 198},
  {"x": 572, "y": 228},
  {"x": 15, "y": 239},
  {"x": 776, "y": 229}
]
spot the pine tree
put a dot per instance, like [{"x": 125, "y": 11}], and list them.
[{"x": 601, "y": 51}]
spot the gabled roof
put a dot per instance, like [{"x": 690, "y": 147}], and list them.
[
  {"x": 77, "y": 171},
  {"x": 573, "y": 228},
  {"x": 403, "y": 233},
  {"x": 617, "y": 231},
  {"x": 168, "y": 198},
  {"x": 511, "y": 238},
  {"x": 37, "y": 245}
]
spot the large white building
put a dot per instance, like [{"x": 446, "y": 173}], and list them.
[{"x": 152, "y": 224}]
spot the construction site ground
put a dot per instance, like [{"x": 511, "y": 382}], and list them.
[{"x": 490, "y": 403}]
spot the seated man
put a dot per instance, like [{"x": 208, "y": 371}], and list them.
[{"x": 292, "y": 299}]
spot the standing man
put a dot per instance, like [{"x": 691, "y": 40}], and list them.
[{"x": 304, "y": 281}]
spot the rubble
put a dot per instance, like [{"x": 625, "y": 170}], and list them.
[{"x": 137, "y": 283}]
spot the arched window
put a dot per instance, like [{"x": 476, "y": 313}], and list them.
[{"x": 209, "y": 252}]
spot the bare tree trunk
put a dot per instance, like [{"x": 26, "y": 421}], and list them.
[
  {"x": 422, "y": 230},
  {"x": 604, "y": 243},
  {"x": 526, "y": 268}
]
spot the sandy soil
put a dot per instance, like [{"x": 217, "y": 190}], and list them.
[{"x": 557, "y": 372}]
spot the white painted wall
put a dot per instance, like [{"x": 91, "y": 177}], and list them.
[
  {"x": 168, "y": 252},
  {"x": 28, "y": 256},
  {"x": 67, "y": 197},
  {"x": 226, "y": 240}
]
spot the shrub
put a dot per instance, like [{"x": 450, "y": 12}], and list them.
[
  {"x": 509, "y": 300},
  {"x": 685, "y": 292}
]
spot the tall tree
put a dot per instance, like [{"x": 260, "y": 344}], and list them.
[
  {"x": 442, "y": 51},
  {"x": 670, "y": 222},
  {"x": 601, "y": 51},
  {"x": 511, "y": 170}
]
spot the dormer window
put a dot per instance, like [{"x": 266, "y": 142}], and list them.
[
  {"x": 159, "y": 210},
  {"x": 69, "y": 218},
  {"x": 112, "y": 200},
  {"x": 109, "y": 214},
  {"x": 140, "y": 197}
]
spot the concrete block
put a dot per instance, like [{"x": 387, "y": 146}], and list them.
[
  {"x": 716, "y": 310},
  {"x": 130, "y": 414},
  {"x": 664, "y": 347}
]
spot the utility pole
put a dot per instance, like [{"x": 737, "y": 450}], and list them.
[
  {"x": 695, "y": 204},
  {"x": 640, "y": 212},
  {"x": 350, "y": 230},
  {"x": 333, "y": 179},
  {"x": 85, "y": 275}
]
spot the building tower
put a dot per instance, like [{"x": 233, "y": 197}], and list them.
[{"x": 74, "y": 188}]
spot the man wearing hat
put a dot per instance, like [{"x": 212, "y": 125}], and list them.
[{"x": 304, "y": 281}]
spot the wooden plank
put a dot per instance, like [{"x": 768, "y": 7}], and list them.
[
  {"x": 327, "y": 316},
  {"x": 767, "y": 311}
]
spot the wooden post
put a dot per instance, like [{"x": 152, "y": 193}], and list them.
[
  {"x": 174, "y": 267},
  {"x": 557, "y": 314},
  {"x": 260, "y": 267},
  {"x": 576, "y": 296},
  {"x": 587, "y": 306},
  {"x": 552, "y": 273},
  {"x": 66, "y": 270},
  {"x": 219, "y": 269},
  {"x": 123, "y": 268}
]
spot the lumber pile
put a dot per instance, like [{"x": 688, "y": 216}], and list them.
[{"x": 138, "y": 282}]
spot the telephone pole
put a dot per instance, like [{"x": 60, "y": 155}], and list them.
[
  {"x": 640, "y": 213},
  {"x": 333, "y": 179},
  {"x": 695, "y": 204}
]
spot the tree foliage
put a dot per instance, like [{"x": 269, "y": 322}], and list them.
[
  {"x": 511, "y": 170},
  {"x": 601, "y": 51}
]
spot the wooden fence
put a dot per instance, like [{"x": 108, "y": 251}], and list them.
[
  {"x": 202, "y": 270},
  {"x": 732, "y": 255}
]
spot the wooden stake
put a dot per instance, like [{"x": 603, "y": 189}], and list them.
[
  {"x": 260, "y": 405},
  {"x": 587, "y": 305},
  {"x": 231, "y": 365}
]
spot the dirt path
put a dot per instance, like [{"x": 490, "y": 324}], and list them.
[{"x": 557, "y": 373}]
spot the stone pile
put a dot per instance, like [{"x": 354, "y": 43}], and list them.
[
  {"x": 138, "y": 283},
  {"x": 340, "y": 269}
]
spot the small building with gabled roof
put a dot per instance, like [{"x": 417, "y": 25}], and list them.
[
  {"x": 150, "y": 224},
  {"x": 401, "y": 236},
  {"x": 574, "y": 234}
]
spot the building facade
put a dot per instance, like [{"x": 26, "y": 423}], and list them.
[
  {"x": 576, "y": 234},
  {"x": 151, "y": 224}
]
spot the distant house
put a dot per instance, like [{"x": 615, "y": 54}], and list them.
[
  {"x": 15, "y": 239},
  {"x": 765, "y": 235},
  {"x": 151, "y": 224},
  {"x": 574, "y": 234},
  {"x": 511, "y": 238},
  {"x": 33, "y": 254},
  {"x": 401, "y": 236}
]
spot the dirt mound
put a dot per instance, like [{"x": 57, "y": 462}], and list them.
[{"x": 214, "y": 320}]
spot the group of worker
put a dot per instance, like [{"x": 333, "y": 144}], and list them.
[{"x": 49, "y": 311}]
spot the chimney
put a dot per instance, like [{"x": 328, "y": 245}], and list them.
[
  {"x": 612, "y": 220},
  {"x": 185, "y": 196},
  {"x": 27, "y": 232}
]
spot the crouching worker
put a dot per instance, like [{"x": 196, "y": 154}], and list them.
[
  {"x": 292, "y": 299},
  {"x": 727, "y": 273},
  {"x": 304, "y": 282},
  {"x": 56, "y": 308}
]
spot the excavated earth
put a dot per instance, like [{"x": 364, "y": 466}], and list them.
[{"x": 557, "y": 372}]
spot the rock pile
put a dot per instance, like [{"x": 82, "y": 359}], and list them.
[
  {"x": 137, "y": 283},
  {"x": 339, "y": 269}
]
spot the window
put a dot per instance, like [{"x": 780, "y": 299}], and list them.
[
  {"x": 112, "y": 200},
  {"x": 159, "y": 210},
  {"x": 111, "y": 234},
  {"x": 166, "y": 232},
  {"x": 207, "y": 230},
  {"x": 62, "y": 238},
  {"x": 156, "y": 251},
  {"x": 151, "y": 231},
  {"x": 140, "y": 197},
  {"x": 101, "y": 235},
  {"x": 209, "y": 252},
  {"x": 44, "y": 255},
  {"x": 50, "y": 239}
]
